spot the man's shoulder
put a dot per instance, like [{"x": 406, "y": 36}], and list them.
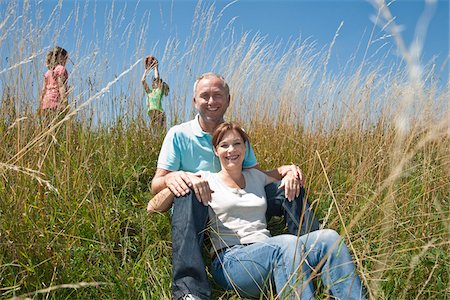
[
  {"x": 183, "y": 131},
  {"x": 182, "y": 128}
]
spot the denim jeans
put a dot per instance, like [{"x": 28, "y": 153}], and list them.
[
  {"x": 189, "y": 221},
  {"x": 292, "y": 262},
  {"x": 298, "y": 215}
]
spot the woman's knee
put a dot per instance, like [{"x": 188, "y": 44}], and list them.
[
  {"x": 286, "y": 245},
  {"x": 329, "y": 238},
  {"x": 329, "y": 235},
  {"x": 286, "y": 239}
]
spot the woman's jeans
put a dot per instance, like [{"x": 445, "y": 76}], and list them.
[
  {"x": 189, "y": 221},
  {"x": 291, "y": 262}
]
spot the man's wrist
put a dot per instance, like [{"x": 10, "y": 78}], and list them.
[
  {"x": 284, "y": 170},
  {"x": 287, "y": 172}
]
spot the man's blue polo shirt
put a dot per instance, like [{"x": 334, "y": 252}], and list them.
[{"x": 187, "y": 147}]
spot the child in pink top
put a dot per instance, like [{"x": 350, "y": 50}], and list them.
[{"x": 54, "y": 91}]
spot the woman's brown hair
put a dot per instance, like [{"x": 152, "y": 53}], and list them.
[
  {"x": 159, "y": 83},
  {"x": 54, "y": 57},
  {"x": 224, "y": 128}
]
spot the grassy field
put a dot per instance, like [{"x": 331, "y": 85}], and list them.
[{"x": 373, "y": 143}]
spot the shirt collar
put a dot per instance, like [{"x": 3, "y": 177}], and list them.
[{"x": 196, "y": 128}]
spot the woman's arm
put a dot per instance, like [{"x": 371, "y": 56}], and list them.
[
  {"x": 41, "y": 99},
  {"x": 270, "y": 179},
  {"x": 144, "y": 82},
  {"x": 63, "y": 90},
  {"x": 156, "y": 70}
]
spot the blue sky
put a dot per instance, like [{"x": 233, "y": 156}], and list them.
[
  {"x": 317, "y": 20},
  {"x": 320, "y": 20},
  {"x": 278, "y": 20},
  {"x": 83, "y": 34}
]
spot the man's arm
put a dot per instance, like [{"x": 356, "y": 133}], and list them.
[
  {"x": 177, "y": 181},
  {"x": 291, "y": 178},
  {"x": 180, "y": 183},
  {"x": 158, "y": 182}
]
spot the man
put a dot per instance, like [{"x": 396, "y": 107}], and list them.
[{"x": 187, "y": 148}]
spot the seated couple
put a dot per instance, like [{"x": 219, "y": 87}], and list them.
[{"x": 246, "y": 257}]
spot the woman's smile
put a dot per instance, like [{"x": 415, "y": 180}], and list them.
[{"x": 231, "y": 149}]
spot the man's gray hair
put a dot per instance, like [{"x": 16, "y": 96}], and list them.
[{"x": 212, "y": 75}]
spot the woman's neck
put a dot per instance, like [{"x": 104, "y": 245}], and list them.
[{"x": 232, "y": 178}]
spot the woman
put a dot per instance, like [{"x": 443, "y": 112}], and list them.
[{"x": 246, "y": 257}]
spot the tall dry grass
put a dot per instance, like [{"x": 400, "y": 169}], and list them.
[{"x": 373, "y": 141}]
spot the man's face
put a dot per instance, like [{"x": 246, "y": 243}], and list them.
[{"x": 211, "y": 99}]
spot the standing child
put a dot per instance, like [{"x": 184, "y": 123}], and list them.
[
  {"x": 54, "y": 92},
  {"x": 53, "y": 99},
  {"x": 155, "y": 94}
]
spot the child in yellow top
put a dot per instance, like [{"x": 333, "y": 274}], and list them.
[{"x": 155, "y": 94}]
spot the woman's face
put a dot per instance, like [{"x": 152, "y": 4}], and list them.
[
  {"x": 231, "y": 150},
  {"x": 156, "y": 83},
  {"x": 64, "y": 59}
]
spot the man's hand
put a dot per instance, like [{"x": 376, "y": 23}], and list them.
[
  {"x": 297, "y": 172},
  {"x": 292, "y": 182},
  {"x": 291, "y": 186},
  {"x": 178, "y": 183},
  {"x": 181, "y": 182}
]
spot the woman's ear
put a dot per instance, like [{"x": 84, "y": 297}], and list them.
[{"x": 215, "y": 152}]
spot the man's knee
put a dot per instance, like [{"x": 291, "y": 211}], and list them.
[
  {"x": 188, "y": 207},
  {"x": 190, "y": 199},
  {"x": 275, "y": 198},
  {"x": 273, "y": 191}
]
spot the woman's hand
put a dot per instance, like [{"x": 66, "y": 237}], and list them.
[{"x": 201, "y": 188}]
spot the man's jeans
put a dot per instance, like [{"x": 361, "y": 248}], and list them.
[
  {"x": 290, "y": 261},
  {"x": 189, "y": 221},
  {"x": 298, "y": 215}
]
